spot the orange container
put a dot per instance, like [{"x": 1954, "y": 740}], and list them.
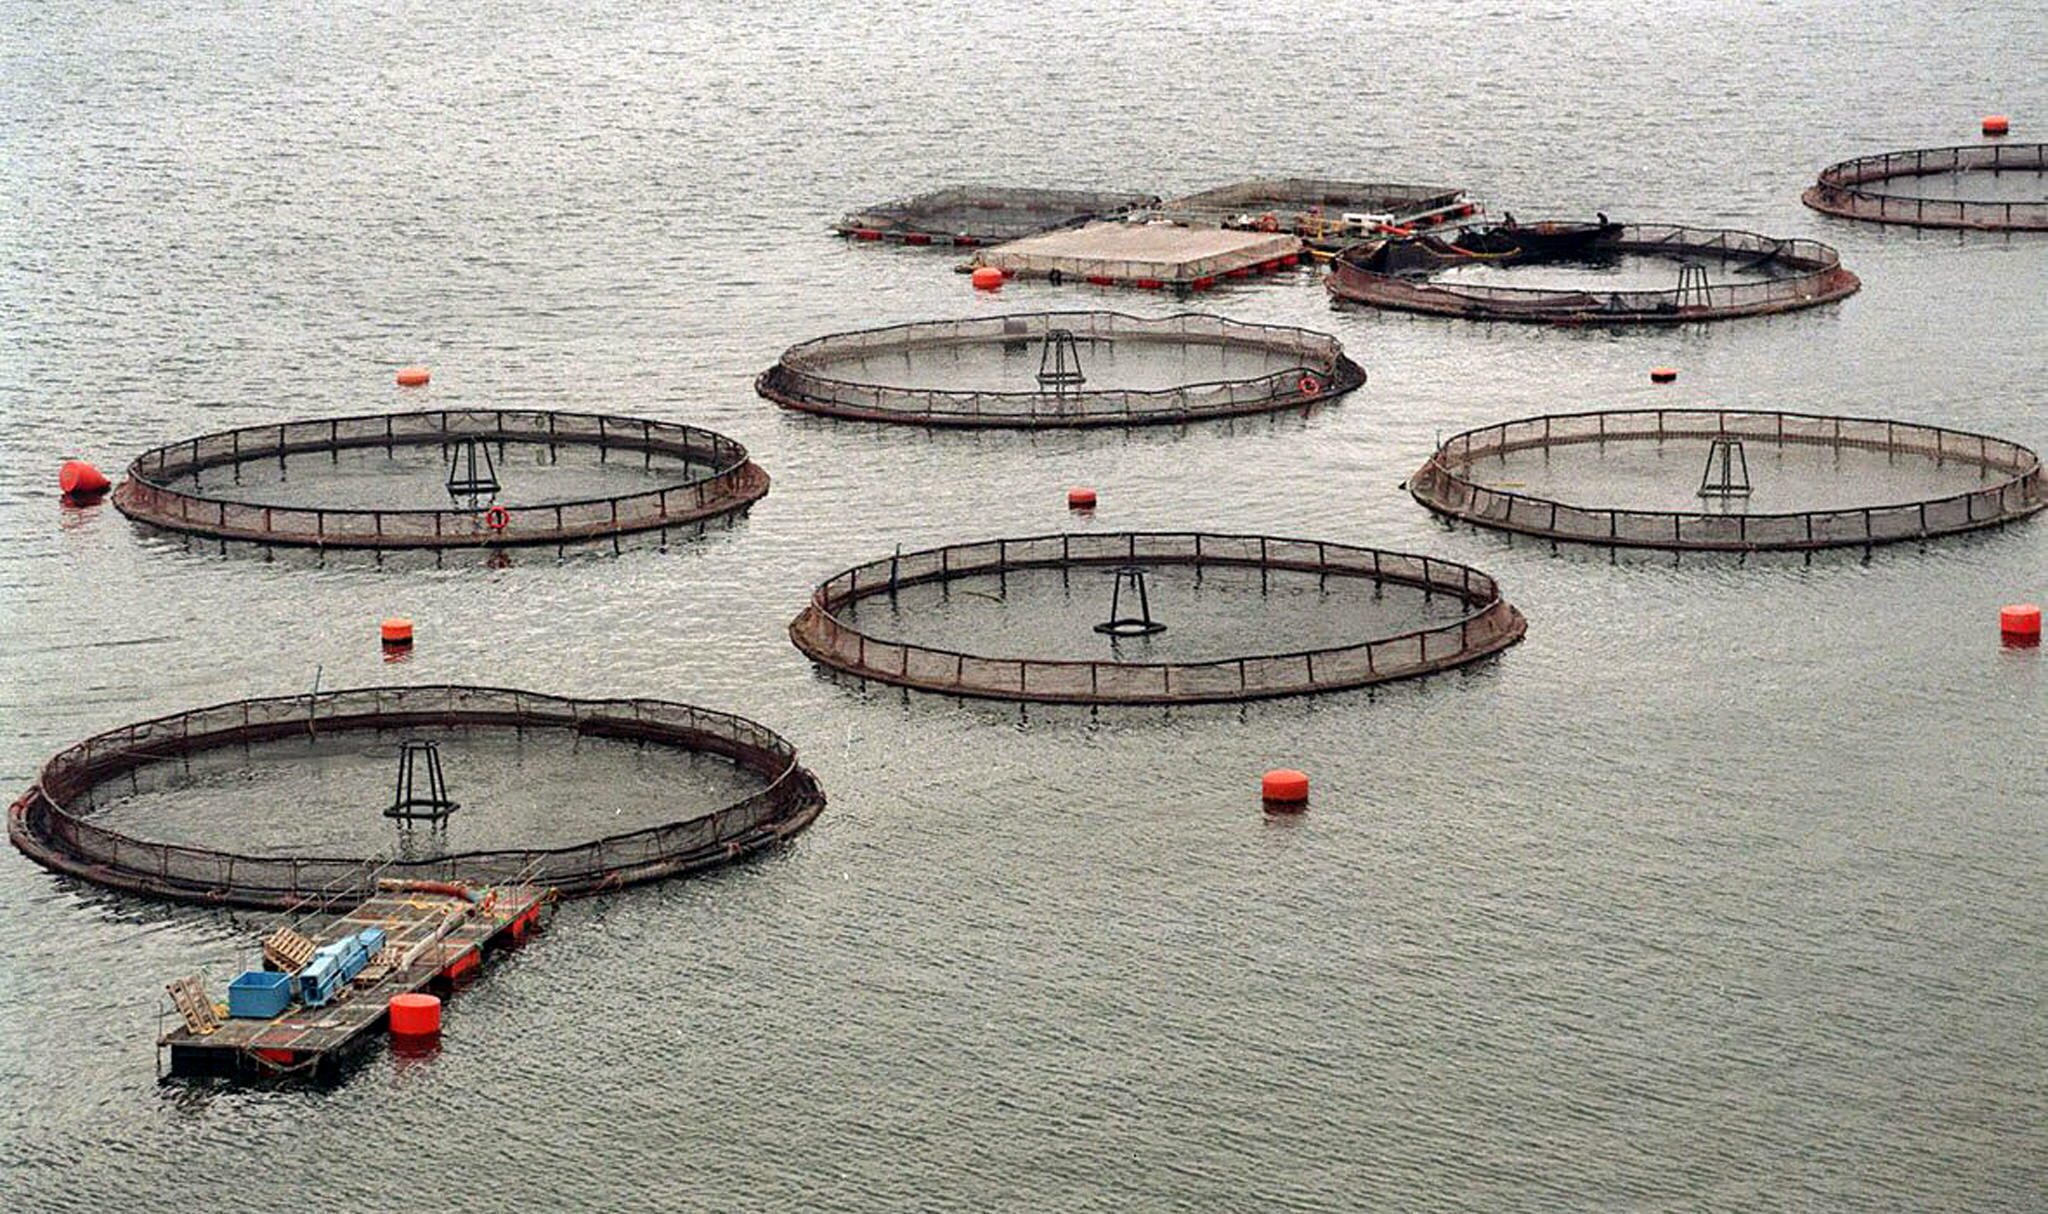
[
  {"x": 2020, "y": 624},
  {"x": 415, "y": 1015},
  {"x": 78, "y": 479},
  {"x": 1284, "y": 787}
]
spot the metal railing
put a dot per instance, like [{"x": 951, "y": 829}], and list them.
[
  {"x": 1845, "y": 188},
  {"x": 1817, "y": 276},
  {"x": 732, "y": 482},
  {"x": 804, "y": 378},
  {"x": 2018, "y": 491},
  {"x": 1487, "y": 624},
  {"x": 44, "y": 825}
]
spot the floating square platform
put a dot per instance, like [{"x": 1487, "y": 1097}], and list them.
[{"x": 1152, "y": 256}]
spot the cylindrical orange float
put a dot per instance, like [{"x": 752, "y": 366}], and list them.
[
  {"x": 1663, "y": 375},
  {"x": 1996, "y": 124},
  {"x": 413, "y": 377},
  {"x": 1284, "y": 789},
  {"x": 79, "y": 480},
  {"x": 1080, "y": 498},
  {"x": 2020, "y": 624},
  {"x": 986, "y": 278},
  {"x": 396, "y": 631},
  {"x": 415, "y": 1015}
]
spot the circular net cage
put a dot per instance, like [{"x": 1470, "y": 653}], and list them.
[
  {"x": 1152, "y": 618},
  {"x": 1061, "y": 369},
  {"x": 280, "y": 802},
  {"x": 1638, "y": 274},
  {"x": 978, "y": 215},
  {"x": 1729, "y": 480},
  {"x": 442, "y": 479},
  {"x": 1997, "y": 187}
]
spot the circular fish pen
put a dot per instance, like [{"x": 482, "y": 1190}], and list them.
[
  {"x": 275, "y": 802},
  {"x": 1997, "y": 187},
  {"x": 448, "y": 478},
  {"x": 1619, "y": 278},
  {"x": 1729, "y": 480},
  {"x": 1152, "y": 618},
  {"x": 1061, "y": 369}
]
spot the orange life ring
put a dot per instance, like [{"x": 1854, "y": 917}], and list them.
[
  {"x": 1310, "y": 386},
  {"x": 496, "y": 517}
]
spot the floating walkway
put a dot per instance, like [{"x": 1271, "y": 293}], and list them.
[{"x": 435, "y": 935}]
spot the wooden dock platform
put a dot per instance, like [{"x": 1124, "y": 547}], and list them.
[
  {"x": 436, "y": 935},
  {"x": 1151, "y": 256}
]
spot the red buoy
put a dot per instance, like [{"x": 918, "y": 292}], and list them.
[
  {"x": 1080, "y": 498},
  {"x": 413, "y": 377},
  {"x": 415, "y": 1015},
  {"x": 2020, "y": 624},
  {"x": 1284, "y": 790},
  {"x": 1996, "y": 124},
  {"x": 80, "y": 481},
  {"x": 395, "y": 631},
  {"x": 1663, "y": 375},
  {"x": 986, "y": 278}
]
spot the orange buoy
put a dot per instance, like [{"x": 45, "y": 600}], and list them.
[
  {"x": 1996, "y": 124},
  {"x": 1663, "y": 375},
  {"x": 415, "y": 1015},
  {"x": 1285, "y": 789},
  {"x": 2020, "y": 624},
  {"x": 413, "y": 377},
  {"x": 80, "y": 481},
  {"x": 986, "y": 278},
  {"x": 1080, "y": 498},
  {"x": 396, "y": 631}
]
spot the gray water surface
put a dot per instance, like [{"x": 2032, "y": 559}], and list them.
[{"x": 1725, "y": 890}]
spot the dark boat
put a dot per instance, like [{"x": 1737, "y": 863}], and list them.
[{"x": 1548, "y": 240}]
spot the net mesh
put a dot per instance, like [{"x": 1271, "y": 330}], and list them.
[
  {"x": 1857, "y": 188},
  {"x": 1487, "y": 624},
  {"x": 2015, "y": 490},
  {"x": 1813, "y": 274},
  {"x": 986, "y": 214},
  {"x": 44, "y": 826},
  {"x": 732, "y": 483},
  {"x": 807, "y": 378},
  {"x": 1290, "y": 200}
]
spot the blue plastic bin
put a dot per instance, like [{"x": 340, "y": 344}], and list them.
[{"x": 259, "y": 994}]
